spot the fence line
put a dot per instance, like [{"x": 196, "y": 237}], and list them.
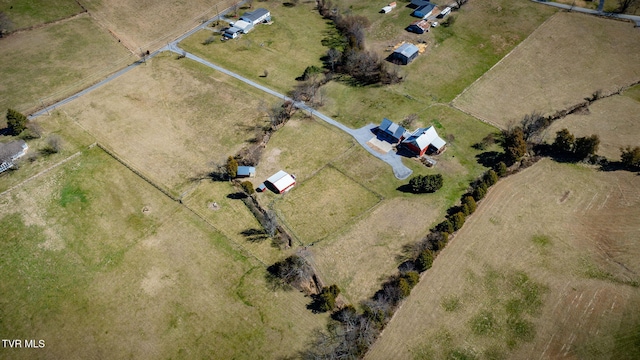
[{"x": 40, "y": 173}]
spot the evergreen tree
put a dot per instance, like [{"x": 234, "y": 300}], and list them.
[
  {"x": 424, "y": 260},
  {"x": 232, "y": 167},
  {"x": 514, "y": 144},
  {"x": 586, "y": 146},
  {"x": 564, "y": 142},
  {"x": 630, "y": 157},
  {"x": 16, "y": 122},
  {"x": 501, "y": 169}
]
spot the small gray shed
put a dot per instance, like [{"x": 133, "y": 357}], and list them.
[{"x": 405, "y": 53}]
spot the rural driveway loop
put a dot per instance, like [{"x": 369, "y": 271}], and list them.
[{"x": 361, "y": 135}]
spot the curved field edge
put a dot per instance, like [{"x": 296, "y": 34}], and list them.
[
  {"x": 567, "y": 234},
  {"x": 567, "y": 59}
]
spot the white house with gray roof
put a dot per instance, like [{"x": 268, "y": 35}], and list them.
[
  {"x": 257, "y": 16},
  {"x": 10, "y": 152}
]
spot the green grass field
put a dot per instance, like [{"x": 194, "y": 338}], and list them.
[
  {"x": 98, "y": 262},
  {"x": 24, "y": 14},
  {"x": 324, "y": 204},
  {"x": 456, "y": 56},
  {"x": 284, "y": 48},
  {"x": 303, "y": 146},
  {"x": 47, "y": 64}
]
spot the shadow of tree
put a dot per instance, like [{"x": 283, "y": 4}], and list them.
[
  {"x": 255, "y": 235},
  {"x": 490, "y": 158},
  {"x": 237, "y": 196}
]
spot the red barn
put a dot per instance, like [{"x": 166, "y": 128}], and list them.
[
  {"x": 281, "y": 181},
  {"x": 422, "y": 139}
]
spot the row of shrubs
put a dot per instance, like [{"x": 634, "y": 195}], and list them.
[{"x": 350, "y": 333}]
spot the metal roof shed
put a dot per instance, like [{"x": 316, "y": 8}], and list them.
[
  {"x": 406, "y": 53},
  {"x": 282, "y": 181},
  {"x": 246, "y": 171}
]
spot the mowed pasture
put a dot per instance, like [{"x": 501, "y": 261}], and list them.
[
  {"x": 616, "y": 120},
  {"x": 302, "y": 147},
  {"x": 547, "y": 267},
  {"x": 565, "y": 61},
  {"x": 283, "y": 48},
  {"x": 213, "y": 201},
  {"x": 171, "y": 118},
  {"x": 24, "y": 14},
  {"x": 358, "y": 258},
  {"x": 46, "y": 64},
  {"x": 150, "y": 25},
  {"x": 98, "y": 263}
]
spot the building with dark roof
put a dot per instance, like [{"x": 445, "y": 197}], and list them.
[
  {"x": 391, "y": 131},
  {"x": 419, "y": 27},
  {"x": 405, "y": 53},
  {"x": 424, "y": 12}
]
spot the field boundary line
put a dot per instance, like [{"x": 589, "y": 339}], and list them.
[
  {"x": 242, "y": 248},
  {"x": 52, "y": 22},
  {"x": 139, "y": 173},
  {"x": 40, "y": 173},
  {"x": 504, "y": 57},
  {"x": 177, "y": 200}
]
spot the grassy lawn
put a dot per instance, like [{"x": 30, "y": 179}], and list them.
[
  {"x": 633, "y": 93},
  {"x": 231, "y": 218},
  {"x": 303, "y": 147},
  {"x": 50, "y": 63},
  {"x": 150, "y": 25},
  {"x": 358, "y": 258},
  {"x": 568, "y": 59},
  {"x": 97, "y": 261},
  {"x": 24, "y": 14},
  {"x": 171, "y": 114},
  {"x": 505, "y": 287},
  {"x": 484, "y": 32},
  {"x": 359, "y": 106},
  {"x": 72, "y": 139},
  {"x": 284, "y": 48},
  {"x": 324, "y": 204}
]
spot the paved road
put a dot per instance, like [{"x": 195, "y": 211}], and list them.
[
  {"x": 599, "y": 12},
  {"x": 361, "y": 135}
]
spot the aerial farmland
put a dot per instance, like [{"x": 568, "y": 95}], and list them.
[{"x": 143, "y": 212}]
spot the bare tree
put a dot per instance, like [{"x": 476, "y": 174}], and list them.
[
  {"x": 533, "y": 124},
  {"x": 333, "y": 56},
  {"x": 624, "y": 5},
  {"x": 53, "y": 145},
  {"x": 6, "y": 25},
  {"x": 409, "y": 120},
  {"x": 270, "y": 223},
  {"x": 459, "y": 3}
]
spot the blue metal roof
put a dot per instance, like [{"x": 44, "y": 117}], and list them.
[
  {"x": 246, "y": 170},
  {"x": 392, "y": 128}
]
